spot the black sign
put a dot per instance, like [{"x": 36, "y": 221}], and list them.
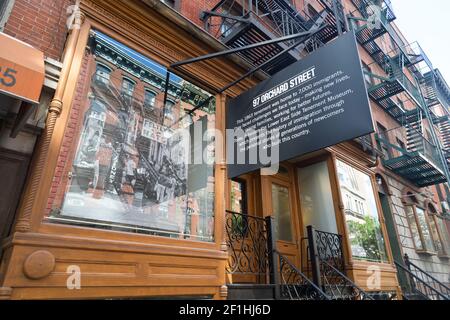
[{"x": 314, "y": 103}]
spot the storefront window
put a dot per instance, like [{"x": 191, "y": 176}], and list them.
[
  {"x": 131, "y": 170},
  {"x": 316, "y": 202},
  {"x": 366, "y": 238}
]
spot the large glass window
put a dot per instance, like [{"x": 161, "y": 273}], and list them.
[
  {"x": 316, "y": 199},
  {"x": 363, "y": 222},
  {"x": 123, "y": 167}
]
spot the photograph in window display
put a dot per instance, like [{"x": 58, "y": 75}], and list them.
[{"x": 132, "y": 166}]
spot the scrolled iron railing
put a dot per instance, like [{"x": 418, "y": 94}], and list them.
[
  {"x": 329, "y": 248},
  {"x": 328, "y": 266},
  {"x": 248, "y": 245}
]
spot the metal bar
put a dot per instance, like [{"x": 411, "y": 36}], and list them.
[
  {"x": 274, "y": 266},
  {"x": 226, "y": 16},
  {"x": 337, "y": 17},
  {"x": 254, "y": 70},
  {"x": 262, "y": 65},
  {"x": 315, "y": 263},
  {"x": 245, "y": 48},
  {"x": 166, "y": 88}
]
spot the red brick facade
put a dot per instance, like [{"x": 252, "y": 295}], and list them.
[{"x": 40, "y": 23}]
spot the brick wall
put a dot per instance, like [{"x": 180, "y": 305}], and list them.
[{"x": 40, "y": 23}]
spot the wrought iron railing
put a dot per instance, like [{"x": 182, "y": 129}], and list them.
[
  {"x": 413, "y": 142},
  {"x": 329, "y": 248},
  {"x": 328, "y": 267},
  {"x": 422, "y": 283},
  {"x": 247, "y": 240},
  {"x": 277, "y": 16},
  {"x": 338, "y": 286},
  {"x": 295, "y": 285}
]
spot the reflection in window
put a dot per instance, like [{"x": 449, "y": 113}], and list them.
[
  {"x": 423, "y": 225},
  {"x": 363, "y": 221},
  {"x": 444, "y": 235},
  {"x": 169, "y": 109},
  {"x": 238, "y": 197},
  {"x": 282, "y": 213},
  {"x": 413, "y": 227},
  {"x": 435, "y": 235},
  {"x": 131, "y": 171},
  {"x": 149, "y": 99},
  {"x": 128, "y": 88},
  {"x": 102, "y": 74},
  {"x": 238, "y": 205}
]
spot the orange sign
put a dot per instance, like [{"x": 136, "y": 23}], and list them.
[{"x": 22, "y": 69}]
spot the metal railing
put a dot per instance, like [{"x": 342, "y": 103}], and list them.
[
  {"x": 414, "y": 142},
  {"x": 422, "y": 283},
  {"x": 295, "y": 285},
  {"x": 247, "y": 240},
  {"x": 328, "y": 267},
  {"x": 277, "y": 16}
]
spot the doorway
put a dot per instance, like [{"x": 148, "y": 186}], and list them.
[
  {"x": 280, "y": 201},
  {"x": 13, "y": 170}
]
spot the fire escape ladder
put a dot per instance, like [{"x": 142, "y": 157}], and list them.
[
  {"x": 243, "y": 23},
  {"x": 414, "y": 134}
]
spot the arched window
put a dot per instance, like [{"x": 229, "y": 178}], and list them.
[
  {"x": 102, "y": 74},
  {"x": 128, "y": 86},
  {"x": 418, "y": 224},
  {"x": 438, "y": 231},
  {"x": 169, "y": 109},
  {"x": 149, "y": 99}
]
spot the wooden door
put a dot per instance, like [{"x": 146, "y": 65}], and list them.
[{"x": 279, "y": 200}]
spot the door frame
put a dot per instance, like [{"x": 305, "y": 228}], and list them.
[{"x": 286, "y": 180}]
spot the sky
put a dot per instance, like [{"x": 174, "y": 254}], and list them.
[{"x": 427, "y": 22}]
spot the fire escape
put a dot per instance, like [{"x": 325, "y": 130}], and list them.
[
  {"x": 398, "y": 84},
  {"x": 245, "y": 22}
]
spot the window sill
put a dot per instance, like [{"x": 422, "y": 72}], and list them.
[
  {"x": 443, "y": 256},
  {"x": 427, "y": 253}
]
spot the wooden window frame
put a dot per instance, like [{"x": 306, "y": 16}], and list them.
[
  {"x": 414, "y": 205},
  {"x": 435, "y": 216}
]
